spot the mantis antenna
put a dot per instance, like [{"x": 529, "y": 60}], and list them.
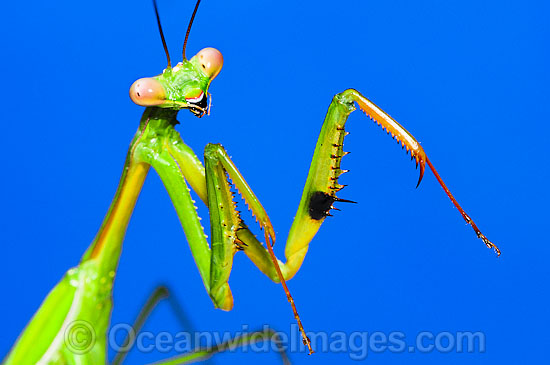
[
  {"x": 162, "y": 34},
  {"x": 189, "y": 27},
  {"x": 186, "y": 34}
]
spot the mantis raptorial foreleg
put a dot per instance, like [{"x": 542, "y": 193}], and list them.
[{"x": 215, "y": 261}]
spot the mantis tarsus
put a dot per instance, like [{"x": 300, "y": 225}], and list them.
[{"x": 157, "y": 144}]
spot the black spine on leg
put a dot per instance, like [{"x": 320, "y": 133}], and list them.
[{"x": 320, "y": 204}]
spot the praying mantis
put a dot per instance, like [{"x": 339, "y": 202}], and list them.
[{"x": 158, "y": 124}]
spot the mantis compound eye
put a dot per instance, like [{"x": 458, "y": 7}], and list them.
[
  {"x": 210, "y": 61},
  {"x": 147, "y": 92}
]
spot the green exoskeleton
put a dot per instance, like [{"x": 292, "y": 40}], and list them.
[{"x": 84, "y": 295}]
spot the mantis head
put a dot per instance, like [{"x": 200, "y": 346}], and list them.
[
  {"x": 186, "y": 85},
  {"x": 183, "y": 87}
]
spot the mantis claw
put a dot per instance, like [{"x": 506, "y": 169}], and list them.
[
  {"x": 422, "y": 168},
  {"x": 271, "y": 232},
  {"x": 489, "y": 244}
]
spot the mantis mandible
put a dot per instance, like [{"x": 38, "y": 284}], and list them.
[{"x": 158, "y": 144}]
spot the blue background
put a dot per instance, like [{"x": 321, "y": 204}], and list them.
[{"x": 469, "y": 79}]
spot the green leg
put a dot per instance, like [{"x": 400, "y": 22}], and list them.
[
  {"x": 224, "y": 222},
  {"x": 212, "y": 187},
  {"x": 160, "y": 293},
  {"x": 214, "y": 263},
  {"x": 172, "y": 177},
  {"x": 200, "y": 354},
  {"x": 203, "y": 354},
  {"x": 195, "y": 171},
  {"x": 190, "y": 165}
]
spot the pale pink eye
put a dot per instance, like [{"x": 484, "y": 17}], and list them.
[
  {"x": 147, "y": 92},
  {"x": 211, "y": 61}
]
